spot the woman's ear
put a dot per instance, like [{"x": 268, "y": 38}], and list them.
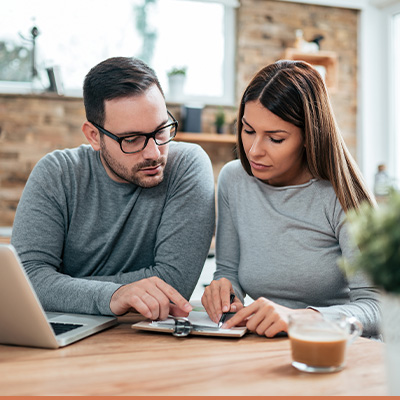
[{"x": 92, "y": 135}]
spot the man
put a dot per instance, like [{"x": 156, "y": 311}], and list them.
[{"x": 126, "y": 222}]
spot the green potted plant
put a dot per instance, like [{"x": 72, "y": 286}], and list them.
[
  {"x": 177, "y": 71},
  {"x": 376, "y": 232},
  {"x": 176, "y": 82},
  {"x": 220, "y": 120}
]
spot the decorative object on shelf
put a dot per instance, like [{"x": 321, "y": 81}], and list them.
[
  {"x": 322, "y": 58},
  {"x": 301, "y": 44},
  {"x": 298, "y": 43},
  {"x": 376, "y": 232},
  {"x": 382, "y": 182},
  {"x": 191, "y": 116},
  {"x": 316, "y": 40},
  {"x": 176, "y": 82},
  {"x": 220, "y": 120}
]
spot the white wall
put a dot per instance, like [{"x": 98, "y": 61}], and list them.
[
  {"x": 377, "y": 131},
  {"x": 393, "y": 95},
  {"x": 373, "y": 132}
]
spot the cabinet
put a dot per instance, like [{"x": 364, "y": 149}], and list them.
[{"x": 327, "y": 59}]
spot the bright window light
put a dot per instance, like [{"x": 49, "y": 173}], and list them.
[{"x": 75, "y": 35}]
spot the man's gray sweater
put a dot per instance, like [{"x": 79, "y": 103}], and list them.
[{"x": 81, "y": 235}]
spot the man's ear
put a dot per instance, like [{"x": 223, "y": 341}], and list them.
[{"x": 92, "y": 135}]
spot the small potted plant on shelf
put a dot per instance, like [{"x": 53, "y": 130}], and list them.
[
  {"x": 220, "y": 120},
  {"x": 376, "y": 231},
  {"x": 176, "y": 82}
]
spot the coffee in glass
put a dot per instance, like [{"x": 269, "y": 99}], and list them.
[{"x": 319, "y": 344}]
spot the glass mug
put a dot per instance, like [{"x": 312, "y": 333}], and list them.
[{"x": 319, "y": 343}]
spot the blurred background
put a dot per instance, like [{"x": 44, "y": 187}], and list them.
[{"x": 204, "y": 52}]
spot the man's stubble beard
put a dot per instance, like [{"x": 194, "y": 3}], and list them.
[{"x": 133, "y": 176}]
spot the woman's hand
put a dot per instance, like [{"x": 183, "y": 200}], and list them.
[
  {"x": 263, "y": 317},
  {"x": 216, "y": 299}
]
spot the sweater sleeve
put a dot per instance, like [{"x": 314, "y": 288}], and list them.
[
  {"x": 227, "y": 238},
  {"x": 364, "y": 298},
  {"x": 39, "y": 232}
]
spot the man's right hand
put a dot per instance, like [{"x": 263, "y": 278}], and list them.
[
  {"x": 150, "y": 297},
  {"x": 216, "y": 299}
]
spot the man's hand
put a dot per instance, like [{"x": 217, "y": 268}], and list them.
[{"x": 150, "y": 297}]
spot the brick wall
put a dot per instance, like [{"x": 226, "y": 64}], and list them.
[
  {"x": 31, "y": 126},
  {"x": 266, "y": 28}
]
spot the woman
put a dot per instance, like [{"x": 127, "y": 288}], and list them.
[{"x": 281, "y": 209}]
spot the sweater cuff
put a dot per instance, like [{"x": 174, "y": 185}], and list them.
[{"x": 104, "y": 298}]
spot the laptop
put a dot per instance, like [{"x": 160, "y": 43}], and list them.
[{"x": 23, "y": 321}]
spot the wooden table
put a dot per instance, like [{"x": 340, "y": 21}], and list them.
[{"x": 121, "y": 361}]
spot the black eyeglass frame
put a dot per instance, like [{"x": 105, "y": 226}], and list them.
[{"x": 148, "y": 136}]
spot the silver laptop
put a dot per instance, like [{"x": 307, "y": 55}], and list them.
[{"x": 22, "y": 319}]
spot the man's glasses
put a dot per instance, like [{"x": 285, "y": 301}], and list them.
[{"x": 133, "y": 143}]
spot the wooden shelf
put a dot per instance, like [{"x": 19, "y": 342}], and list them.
[
  {"x": 205, "y": 138},
  {"x": 327, "y": 59}
]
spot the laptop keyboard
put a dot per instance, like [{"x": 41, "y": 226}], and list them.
[{"x": 60, "y": 328}]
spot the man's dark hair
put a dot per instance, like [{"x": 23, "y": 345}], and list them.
[{"x": 113, "y": 78}]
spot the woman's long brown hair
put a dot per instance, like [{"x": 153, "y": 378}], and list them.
[{"x": 295, "y": 92}]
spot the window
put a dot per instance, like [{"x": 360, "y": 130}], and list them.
[{"x": 76, "y": 35}]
